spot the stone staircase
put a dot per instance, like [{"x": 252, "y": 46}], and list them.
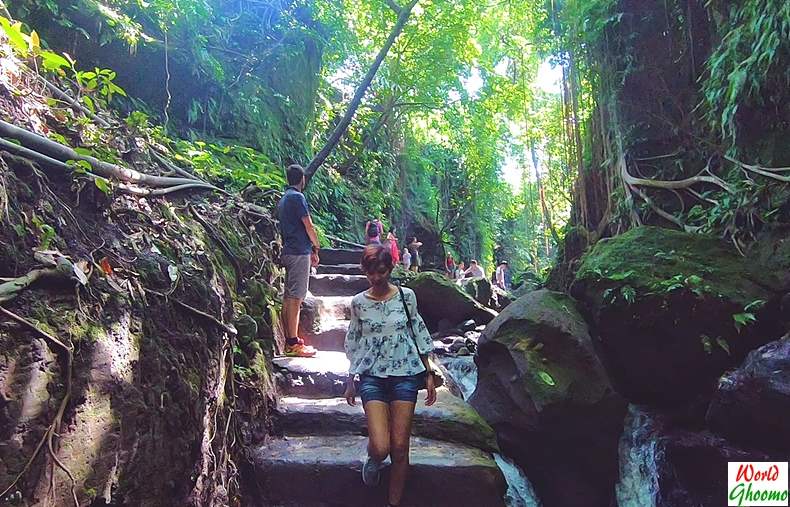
[{"x": 315, "y": 457}]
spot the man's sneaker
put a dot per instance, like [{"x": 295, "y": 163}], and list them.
[
  {"x": 300, "y": 350},
  {"x": 370, "y": 472}
]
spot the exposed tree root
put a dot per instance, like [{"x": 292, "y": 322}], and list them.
[
  {"x": 768, "y": 172},
  {"x": 228, "y": 329},
  {"x": 54, "y": 426}
]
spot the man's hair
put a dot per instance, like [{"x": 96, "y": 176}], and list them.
[
  {"x": 473, "y": 261},
  {"x": 375, "y": 256},
  {"x": 294, "y": 173}
]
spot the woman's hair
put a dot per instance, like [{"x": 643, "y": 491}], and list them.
[{"x": 376, "y": 255}]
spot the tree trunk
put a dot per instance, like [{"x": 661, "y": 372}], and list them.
[
  {"x": 544, "y": 207},
  {"x": 319, "y": 159}
]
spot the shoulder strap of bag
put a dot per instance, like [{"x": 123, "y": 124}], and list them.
[{"x": 408, "y": 315}]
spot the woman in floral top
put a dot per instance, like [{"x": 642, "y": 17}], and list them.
[{"x": 391, "y": 365}]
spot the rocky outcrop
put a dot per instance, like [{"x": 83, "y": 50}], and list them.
[
  {"x": 439, "y": 299},
  {"x": 538, "y": 377},
  {"x": 664, "y": 465},
  {"x": 751, "y": 405},
  {"x": 671, "y": 311},
  {"x": 479, "y": 288},
  {"x": 152, "y": 338}
]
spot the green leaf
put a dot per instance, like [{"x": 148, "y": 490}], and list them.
[
  {"x": 754, "y": 305},
  {"x": 707, "y": 345},
  {"x": 621, "y": 276},
  {"x": 545, "y": 377},
  {"x": 743, "y": 319},
  {"x": 724, "y": 345},
  {"x": 103, "y": 185},
  {"x": 15, "y": 36},
  {"x": 85, "y": 152},
  {"x": 629, "y": 293},
  {"x": 53, "y": 61}
]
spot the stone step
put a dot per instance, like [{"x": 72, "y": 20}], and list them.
[
  {"x": 322, "y": 376},
  {"x": 335, "y": 256},
  {"x": 340, "y": 269},
  {"x": 335, "y": 308},
  {"x": 331, "y": 337},
  {"x": 450, "y": 419},
  {"x": 338, "y": 285},
  {"x": 313, "y": 471}
]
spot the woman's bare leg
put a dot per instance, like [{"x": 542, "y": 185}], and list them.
[
  {"x": 378, "y": 414},
  {"x": 401, "y": 415}
]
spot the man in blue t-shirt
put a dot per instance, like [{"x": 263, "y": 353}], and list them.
[{"x": 300, "y": 252}]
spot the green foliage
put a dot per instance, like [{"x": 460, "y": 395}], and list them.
[{"x": 747, "y": 66}]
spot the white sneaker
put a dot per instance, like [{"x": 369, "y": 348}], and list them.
[{"x": 371, "y": 472}]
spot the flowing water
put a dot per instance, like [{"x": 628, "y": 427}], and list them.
[{"x": 520, "y": 492}]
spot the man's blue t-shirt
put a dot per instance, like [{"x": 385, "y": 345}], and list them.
[{"x": 291, "y": 209}]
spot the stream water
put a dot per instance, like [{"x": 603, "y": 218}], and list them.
[{"x": 520, "y": 492}]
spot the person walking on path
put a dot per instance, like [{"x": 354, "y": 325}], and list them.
[
  {"x": 461, "y": 271},
  {"x": 406, "y": 259},
  {"x": 300, "y": 253},
  {"x": 373, "y": 231},
  {"x": 387, "y": 345},
  {"x": 501, "y": 269},
  {"x": 392, "y": 241},
  {"x": 414, "y": 249},
  {"x": 449, "y": 266}
]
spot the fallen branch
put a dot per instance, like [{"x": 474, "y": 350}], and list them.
[
  {"x": 174, "y": 168},
  {"x": 349, "y": 243},
  {"x": 229, "y": 329},
  {"x": 54, "y": 427}
]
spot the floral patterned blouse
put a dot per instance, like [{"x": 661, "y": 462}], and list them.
[{"x": 378, "y": 341}]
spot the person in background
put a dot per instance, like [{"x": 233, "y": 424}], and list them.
[
  {"x": 475, "y": 271},
  {"x": 388, "y": 347},
  {"x": 508, "y": 276},
  {"x": 449, "y": 266},
  {"x": 373, "y": 231},
  {"x": 414, "y": 249},
  {"x": 300, "y": 253},
  {"x": 500, "y": 274},
  {"x": 392, "y": 241},
  {"x": 459, "y": 273},
  {"x": 406, "y": 259}
]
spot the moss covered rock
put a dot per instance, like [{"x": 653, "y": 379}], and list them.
[
  {"x": 671, "y": 311},
  {"x": 479, "y": 288},
  {"x": 439, "y": 298},
  {"x": 538, "y": 377}
]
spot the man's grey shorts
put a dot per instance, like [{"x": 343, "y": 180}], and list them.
[{"x": 297, "y": 275}]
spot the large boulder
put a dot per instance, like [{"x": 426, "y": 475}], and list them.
[
  {"x": 671, "y": 311},
  {"x": 479, "y": 288},
  {"x": 664, "y": 465},
  {"x": 542, "y": 388},
  {"x": 438, "y": 299},
  {"x": 752, "y": 403}
]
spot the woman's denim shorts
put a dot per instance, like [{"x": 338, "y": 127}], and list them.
[{"x": 402, "y": 388}]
